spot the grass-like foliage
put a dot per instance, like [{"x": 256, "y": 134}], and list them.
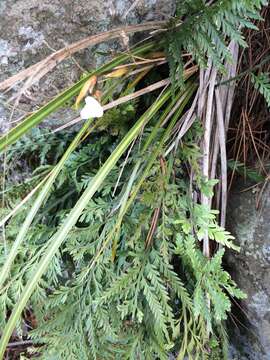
[{"x": 107, "y": 253}]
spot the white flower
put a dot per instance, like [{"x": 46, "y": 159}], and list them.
[{"x": 91, "y": 109}]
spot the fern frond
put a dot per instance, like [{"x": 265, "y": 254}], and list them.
[
  {"x": 261, "y": 82},
  {"x": 204, "y": 30}
]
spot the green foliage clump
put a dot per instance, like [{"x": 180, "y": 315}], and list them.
[
  {"x": 204, "y": 31},
  {"x": 109, "y": 256},
  {"x": 111, "y": 292}
]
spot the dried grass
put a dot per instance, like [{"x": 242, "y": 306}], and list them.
[{"x": 249, "y": 132}]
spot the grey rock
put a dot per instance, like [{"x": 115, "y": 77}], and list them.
[
  {"x": 4, "y": 124},
  {"x": 6, "y": 51},
  {"x": 251, "y": 270}
]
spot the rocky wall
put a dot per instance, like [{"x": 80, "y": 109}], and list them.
[
  {"x": 249, "y": 222},
  {"x": 32, "y": 29}
]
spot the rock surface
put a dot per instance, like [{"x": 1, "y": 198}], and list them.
[
  {"x": 31, "y": 29},
  {"x": 251, "y": 270}
]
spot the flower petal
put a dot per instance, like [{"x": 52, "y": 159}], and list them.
[
  {"x": 91, "y": 109},
  {"x": 86, "y": 112}
]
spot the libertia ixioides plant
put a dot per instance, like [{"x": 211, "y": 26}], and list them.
[{"x": 108, "y": 256}]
